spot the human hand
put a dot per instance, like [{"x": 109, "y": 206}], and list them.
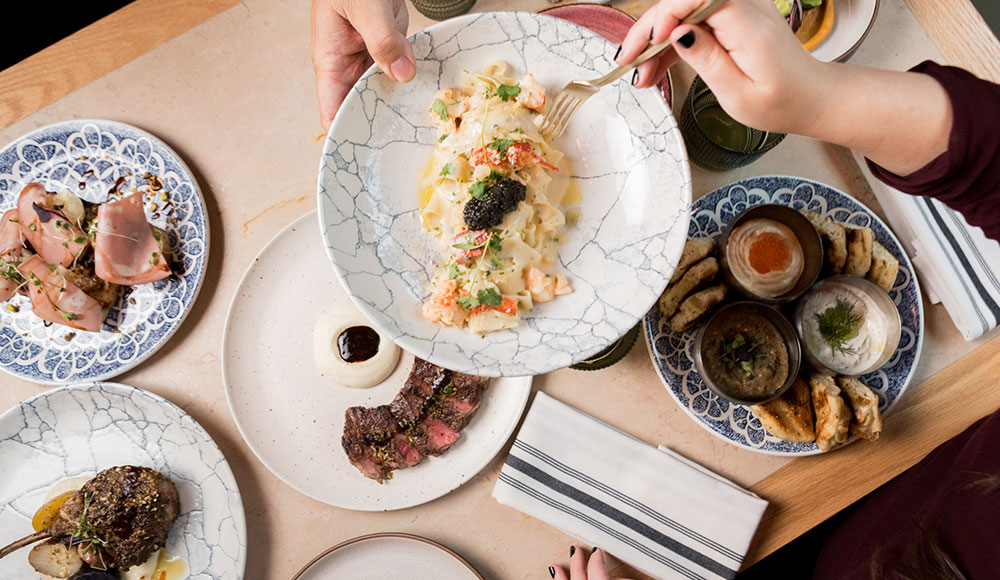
[
  {"x": 745, "y": 52},
  {"x": 347, "y": 36},
  {"x": 582, "y": 568}
]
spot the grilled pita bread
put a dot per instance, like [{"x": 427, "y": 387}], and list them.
[
  {"x": 859, "y": 250},
  {"x": 695, "y": 250},
  {"x": 699, "y": 275},
  {"x": 834, "y": 240},
  {"x": 884, "y": 268},
  {"x": 863, "y": 403},
  {"x": 833, "y": 417},
  {"x": 696, "y": 306},
  {"x": 790, "y": 416}
]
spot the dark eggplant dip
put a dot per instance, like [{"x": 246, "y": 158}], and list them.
[{"x": 744, "y": 355}]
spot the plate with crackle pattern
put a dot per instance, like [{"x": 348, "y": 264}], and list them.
[
  {"x": 672, "y": 353},
  {"x": 626, "y": 157},
  {"x": 78, "y": 430},
  {"x": 91, "y": 158}
]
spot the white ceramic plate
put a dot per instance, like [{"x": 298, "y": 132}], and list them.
[
  {"x": 852, "y": 19},
  {"x": 627, "y": 158},
  {"x": 388, "y": 555},
  {"x": 95, "y": 154},
  {"x": 82, "y": 429},
  {"x": 292, "y": 417}
]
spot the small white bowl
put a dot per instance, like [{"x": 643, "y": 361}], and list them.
[{"x": 852, "y": 21}]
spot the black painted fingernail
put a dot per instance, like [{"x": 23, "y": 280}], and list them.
[
  {"x": 687, "y": 41},
  {"x": 572, "y": 550},
  {"x": 552, "y": 571},
  {"x": 617, "y": 52},
  {"x": 651, "y": 36},
  {"x": 635, "y": 77},
  {"x": 594, "y": 549}
]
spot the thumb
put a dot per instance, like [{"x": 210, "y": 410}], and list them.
[
  {"x": 385, "y": 43},
  {"x": 700, "y": 49}
]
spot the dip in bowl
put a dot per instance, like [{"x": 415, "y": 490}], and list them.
[
  {"x": 848, "y": 326},
  {"x": 770, "y": 253},
  {"x": 747, "y": 353}
]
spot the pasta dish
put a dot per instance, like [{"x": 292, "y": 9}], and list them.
[{"x": 490, "y": 195}]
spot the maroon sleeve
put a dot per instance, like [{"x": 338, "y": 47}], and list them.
[{"x": 966, "y": 177}]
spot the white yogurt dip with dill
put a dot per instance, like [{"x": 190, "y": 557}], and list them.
[{"x": 852, "y": 352}]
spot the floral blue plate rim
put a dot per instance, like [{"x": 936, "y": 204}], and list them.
[
  {"x": 671, "y": 353},
  {"x": 95, "y": 153}
]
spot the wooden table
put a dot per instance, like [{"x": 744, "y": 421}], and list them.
[{"x": 229, "y": 85}]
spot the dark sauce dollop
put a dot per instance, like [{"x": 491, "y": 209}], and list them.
[{"x": 357, "y": 344}]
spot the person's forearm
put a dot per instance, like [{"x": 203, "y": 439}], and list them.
[{"x": 900, "y": 120}]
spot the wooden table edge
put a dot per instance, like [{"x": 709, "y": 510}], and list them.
[{"x": 955, "y": 26}]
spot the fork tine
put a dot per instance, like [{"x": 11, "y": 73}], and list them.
[
  {"x": 553, "y": 113},
  {"x": 571, "y": 107},
  {"x": 559, "y": 115}
]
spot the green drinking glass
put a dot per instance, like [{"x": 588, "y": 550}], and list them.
[{"x": 443, "y": 9}]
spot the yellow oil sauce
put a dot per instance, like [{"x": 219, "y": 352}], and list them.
[
  {"x": 574, "y": 196},
  {"x": 426, "y": 184},
  {"x": 168, "y": 568}
]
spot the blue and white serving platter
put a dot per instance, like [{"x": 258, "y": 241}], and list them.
[
  {"x": 626, "y": 156},
  {"x": 88, "y": 157},
  {"x": 78, "y": 430},
  {"x": 672, "y": 353}
]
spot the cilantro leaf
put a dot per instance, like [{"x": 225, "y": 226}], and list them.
[
  {"x": 495, "y": 242},
  {"x": 468, "y": 302},
  {"x": 478, "y": 189},
  {"x": 489, "y": 297},
  {"x": 453, "y": 271},
  {"x": 441, "y": 109},
  {"x": 446, "y": 170},
  {"x": 508, "y": 92},
  {"x": 501, "y": 145}
]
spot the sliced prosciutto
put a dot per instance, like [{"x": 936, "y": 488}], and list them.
[
  {"x": 12, "y": 253},
  {"x": 53, "y": 236},
  {"x": 56, "y": 299},
  {"x": 125, "y": 251}
]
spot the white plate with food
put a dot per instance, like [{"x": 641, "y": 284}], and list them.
[
  {"x": 119, "y": 233},
  {"x": 832, "y": 30},
  {"x": 59, "y": 440},
  {"x": 286, "y": 381},
  {"x": 474, "y": 243},
  {"x": 672, "y": 351},
  {"x": 364, "y": 558}
]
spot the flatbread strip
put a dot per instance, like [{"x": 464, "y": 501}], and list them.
[
  {"x": 833, "y": 417},
  {"x": 695, "y": 250},
  {"x": 864, "y": 406},
  {"x": 696, "y": 306},
  {"x": 790, "y": 416},
  {"x": 699, "y": 275},
  {"x": 859, "y": 250},
  {"x": 885, "y": 267},
  {"x": 834, "y": 240}
]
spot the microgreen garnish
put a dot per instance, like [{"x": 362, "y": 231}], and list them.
[
  {"x": 739, "y": 352},
  {"x": 501, "y": 145},
  {"x": 453, "y": 271},
  {"x": 838, "y": 324},
  {"x": 84, "y": 532},
  {"x": 478, "y": 189},
  {"x": 446, "y": 170},
  {"x": 440, "y": 108},
  {"x": 485, "y": 297},
  {"x": 491, "y": 248},
  {"x": 508, "y": 92}
]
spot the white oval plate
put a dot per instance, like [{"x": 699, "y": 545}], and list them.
[
  {"x": 388, "y": 555},
  {"x": 627, "y": 158},
  {"x": 97, "y": 153},
  {"x": 79, "y": 430},
  {"x": 852, "y": 20},
  {"x": 292, "y": 417},
  {"x": 673, "y": 353}
]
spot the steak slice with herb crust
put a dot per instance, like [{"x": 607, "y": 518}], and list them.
[{"x": 423, "y": 419}]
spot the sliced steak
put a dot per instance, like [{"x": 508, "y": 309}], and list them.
[{"x": 431, "y": 436}]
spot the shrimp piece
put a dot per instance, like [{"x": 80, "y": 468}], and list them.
[
  {"x": 532, "y": 95},
  {"x": 442, "y": 306},
  {"x": 521, "y": 154},
  {"x": 540, "y": 285},
  {"x": 562, "y": 285},
  {"x": 449, "y": 118}
]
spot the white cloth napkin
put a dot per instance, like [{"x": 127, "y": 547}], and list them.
[
  {"x": 655, "y": 510},
  {"x": 959, "y": 266}
]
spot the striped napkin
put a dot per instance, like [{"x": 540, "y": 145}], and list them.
[
  {"x": 958, "y": 265},
  {"x": 657, "y": 511}
]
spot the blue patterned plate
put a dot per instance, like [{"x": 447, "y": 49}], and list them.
[
  {"x": 88, "y": 157},
  {"x": 76, "y": 431},
  {"x": 626, "y": 156},
  {"x": 672, "y": 353}
]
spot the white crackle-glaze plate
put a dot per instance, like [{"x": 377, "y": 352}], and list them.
[
  {"x": 672, "y": 353},
  {"x": 852, "y": 20},
  {"x": 627, "y": 158},
  {"x": 96, "y": 153},
  {"x": 365, "y": 558},
  {"x": 78, "y": 430},
  {"x": 292, "y": 417}
]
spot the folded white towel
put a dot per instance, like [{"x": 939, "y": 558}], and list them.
[
  {"x": 959, "y": 266},
  {"x": 655, "y": 510}
]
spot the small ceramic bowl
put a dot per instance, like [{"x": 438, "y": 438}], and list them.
[
  {"x": 784, "y": 328},
  {"x": 882, "y": 301},
  {"x": 805, "y": 232}
]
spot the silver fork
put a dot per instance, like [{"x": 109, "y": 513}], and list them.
[{"x": 574, "y": 94}]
